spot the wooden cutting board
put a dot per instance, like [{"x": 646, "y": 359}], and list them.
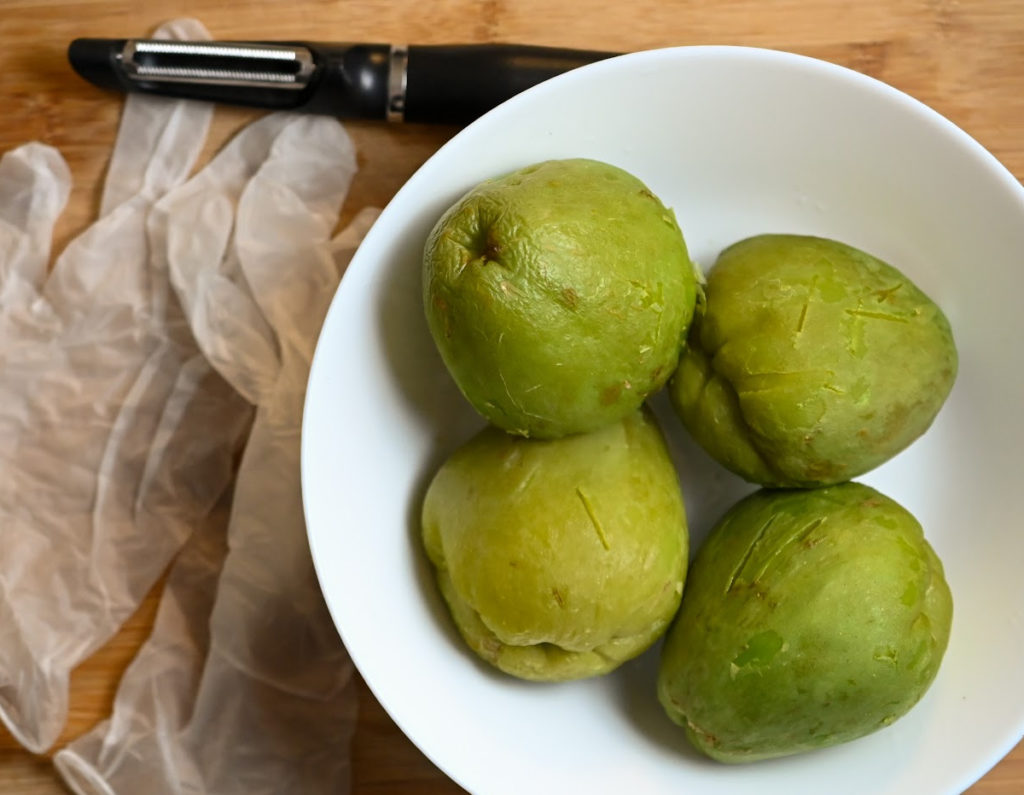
[{"x": 965, "y": 58}]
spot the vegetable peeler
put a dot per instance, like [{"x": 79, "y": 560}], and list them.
[{"x": 448, "y": 84}]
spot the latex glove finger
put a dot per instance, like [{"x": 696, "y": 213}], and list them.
[
  {"x": 136, "y": 750},
  {"x": 157, "y": 145},
  {"x": 287, "y": 213},
  {"x": 158, "y": 140},
  {"x": 286, "y": 714},
  {"x": 34, "y": 186},
  {"x": 194, "y": 229}
]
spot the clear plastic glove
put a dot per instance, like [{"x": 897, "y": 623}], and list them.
[
  {"x": 117, "y": 437},
  {"x": 261, "y": 703}
]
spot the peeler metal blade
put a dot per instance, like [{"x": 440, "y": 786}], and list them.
[{"x": 249, "y": 64}]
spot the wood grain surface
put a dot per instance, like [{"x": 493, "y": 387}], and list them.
[{"x": 965, "y": 58}]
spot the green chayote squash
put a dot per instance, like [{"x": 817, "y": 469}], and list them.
[
  {"x": 810, "y": 618},
  {"x": 558, "y": 296},
  {"x": 811, "y": 362},
  {"x": 559, "y": 559}
]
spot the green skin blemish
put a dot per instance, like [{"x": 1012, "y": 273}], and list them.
[{"x": 760, "y": 649}]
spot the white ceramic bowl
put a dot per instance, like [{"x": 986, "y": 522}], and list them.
[{"x": 738, "y": 141}]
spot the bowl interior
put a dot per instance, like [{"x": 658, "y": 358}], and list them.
[{"x": 738, "y": 142}]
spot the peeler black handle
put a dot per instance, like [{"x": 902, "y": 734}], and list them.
[
  {"x": 456, "y": 84},
  {"x": 449, "y": 84}
]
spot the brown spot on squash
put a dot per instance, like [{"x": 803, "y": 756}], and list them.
[
  {"x": 446, "y": 319},
  {"x": 569, "y": 298},
  {"x": 610, "y": 394}
]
